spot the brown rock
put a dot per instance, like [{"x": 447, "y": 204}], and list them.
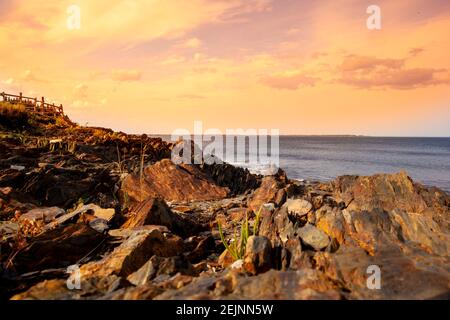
[
  {"x": 157, "y": 266},
  {"x": 155, "y": 211},
  {"x": 384, "y": 191},
  {"x": 42, "y": 214},
  {"x": 56, "y": 248},
  {"x": 258, "y": 255},
  {"x": 270, "y": 191},
  {"x": 173, "y": 183},
  {"x": 225, "y": 259},
  {"x": 134, "y": 252}
]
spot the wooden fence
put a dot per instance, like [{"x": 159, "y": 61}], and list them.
[{"x": 34, "y": 104}]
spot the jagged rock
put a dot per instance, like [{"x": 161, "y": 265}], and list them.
[
  {"x": 403, "y": 274},
  {"x": 298, "y": 207},
  {"x": 157, "y": 266},
  {"x": 384, "y": 210},
  {"x": 272, "y": 285},
  {"x": 59, "y": 247},
  {"x": 42, "y": 214},
  {"x": 286, "y": 285},
  {"x": 331, "y": 221},
  {"x": 55, "y": 289},
  {"x": 90, "y": 209},
  {"x": 277, "y": 225},
  {"x": 204, "y": 248},
  {"x": 385, "y": 191},
  {"x": 173, "y": 183},
  {"x": 63, "y": 187},
  {"x": 134, "y": 252},
  {"x": 313, "y": 237},
  {"x": 144, "y": 292},
  {"x": 124, "y": 234},
  {"x": 258, "y": 255},
  {"x": 237, "y": 180},
  {"x": 270, "y": 191},
  {"x": 225, "y": 259},
  {"x": 155, "y": 211}
]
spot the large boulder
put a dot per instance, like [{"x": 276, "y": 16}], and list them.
[
  {"x": 139, "y": 246},
  {"x": 384, "y": 191},
  {"x": 171, "y": 182},
  {"x": 155, "y": 211}
]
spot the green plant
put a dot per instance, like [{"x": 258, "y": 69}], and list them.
[{"x": 237, "y": 246}]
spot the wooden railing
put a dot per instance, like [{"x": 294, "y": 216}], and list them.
[{"x": 34, "y": 104}]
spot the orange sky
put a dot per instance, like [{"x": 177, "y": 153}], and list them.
[{"x": 304, "y": 67}]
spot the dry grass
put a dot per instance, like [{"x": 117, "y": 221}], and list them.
[
  {"x": 13, "y": 116},
  {"x": 11, "y": 110}
]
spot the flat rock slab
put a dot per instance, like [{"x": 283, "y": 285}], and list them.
[
  {"x": 173, "y": 183},
  {"x": 299, "y": 207}
]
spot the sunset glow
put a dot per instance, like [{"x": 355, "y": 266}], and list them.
[{"x": 305, "y": 67}]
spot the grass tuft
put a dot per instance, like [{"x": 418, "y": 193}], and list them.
[{"x": 236, "y": 248}]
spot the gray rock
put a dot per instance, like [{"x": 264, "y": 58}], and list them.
[{"x": 314, "y": 237}]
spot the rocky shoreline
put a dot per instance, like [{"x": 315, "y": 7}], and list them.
[{"x": 140, "y": 227}]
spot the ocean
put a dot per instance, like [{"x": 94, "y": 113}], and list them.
[{"x": 426, "y": 160}]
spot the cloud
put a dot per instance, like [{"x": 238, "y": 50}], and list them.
[
  {"x": 371, "y": 72},
  {"x": 8, "y": 81},
  {"x": 126, "y": 75},
  {"x": 191, "y": 43},
  {"x": 290, "y": 80},
  {"x": 357, "y": 63},
  {"x": 293, "y": 31},
  {"x": 416, "y": 51},
  {"x": 80, "y": 90}
]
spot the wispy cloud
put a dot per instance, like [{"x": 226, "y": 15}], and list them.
[{"x": 126, "y": 75}]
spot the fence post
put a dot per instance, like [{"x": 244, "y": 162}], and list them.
[
  {"x": 43, "y": 104},
  {"x": 20, "y": 97}
]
